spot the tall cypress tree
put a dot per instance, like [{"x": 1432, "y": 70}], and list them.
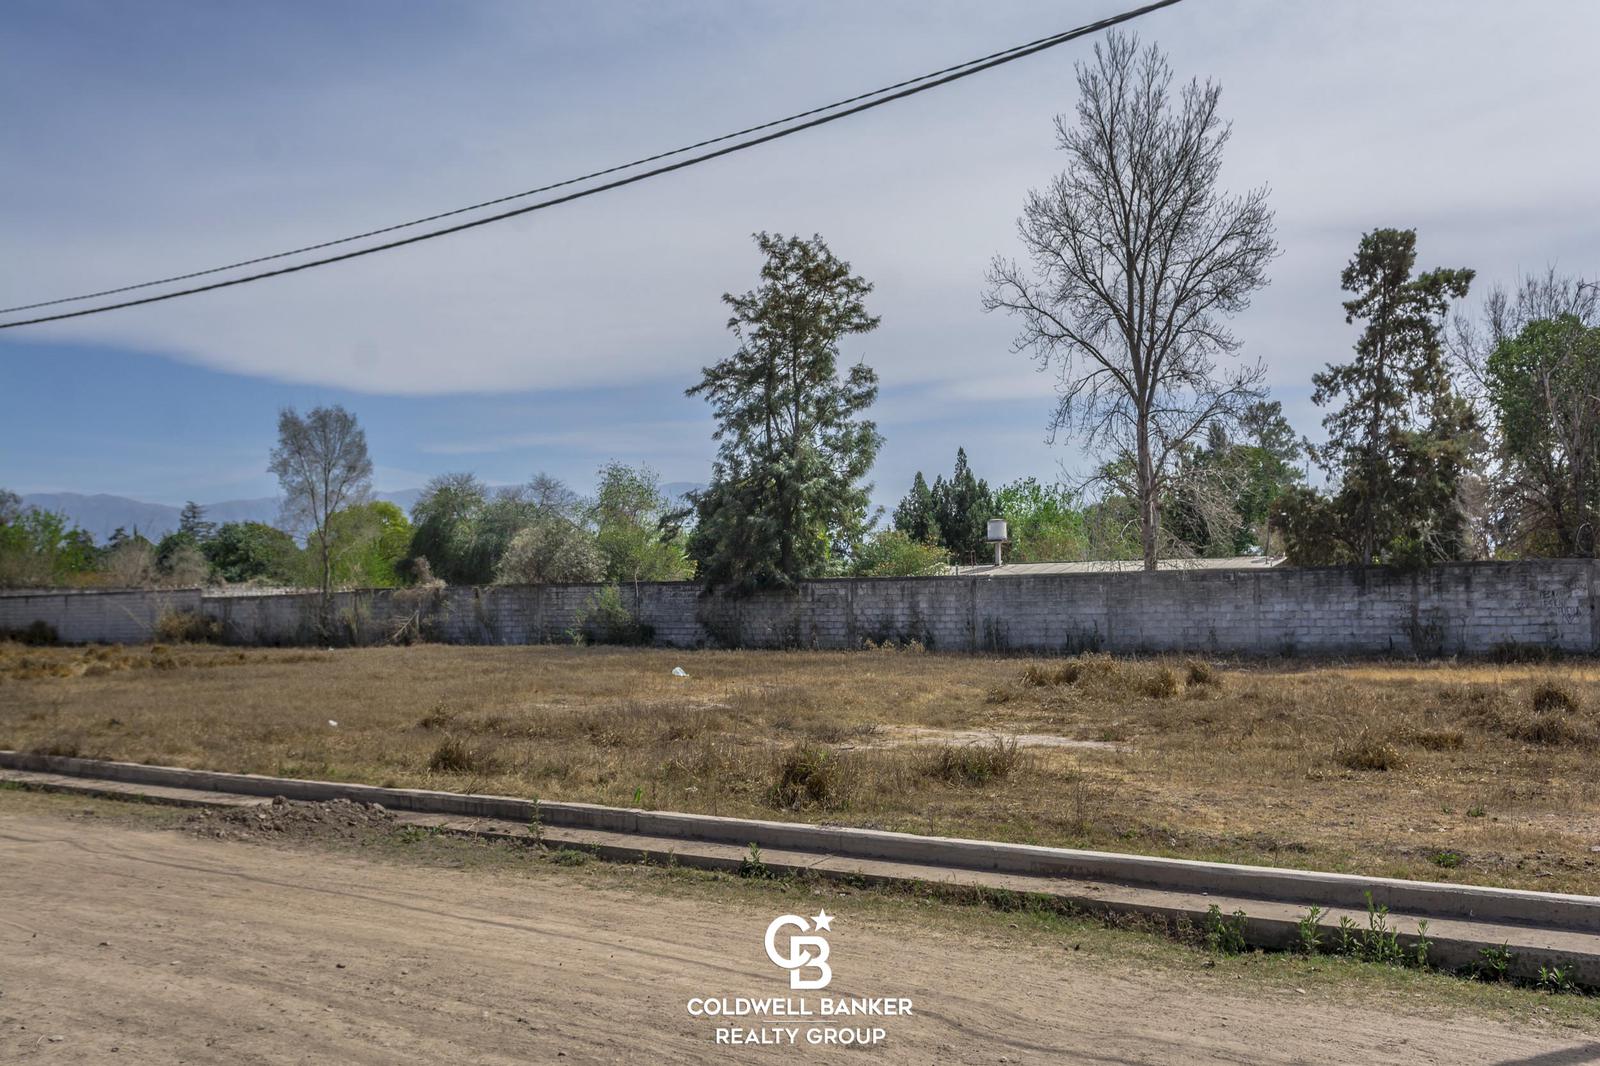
[
  {"x": 1400, "y": 440},
  {"x": 786, "y": 494},
  {"x": 917, "y": 516}
]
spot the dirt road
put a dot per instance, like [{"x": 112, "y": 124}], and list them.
[{"x": 128, "y": 946}]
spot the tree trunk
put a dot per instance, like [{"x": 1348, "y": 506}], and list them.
[{"x": 1148, "y": 519}]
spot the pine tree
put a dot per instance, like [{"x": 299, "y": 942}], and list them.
[
  {"x": 963, "y": 506},
  {"x": 917, "y": 516},
  {"x": 1400, "y": 442},
  {"x": 192, "y": 521},
  {"x": 786, "y": 498}
]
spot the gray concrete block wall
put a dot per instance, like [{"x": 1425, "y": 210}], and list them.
[
  {"x": 81, "y": 616},
  {"x": 1454, "y": 609}
]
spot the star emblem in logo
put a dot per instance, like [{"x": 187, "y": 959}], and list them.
[{"x": 824, "y": 920}]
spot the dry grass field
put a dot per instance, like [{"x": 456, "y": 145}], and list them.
[{"x": 1471, "y": 772}]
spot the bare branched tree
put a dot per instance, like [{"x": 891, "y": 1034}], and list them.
[
  {"x": 322, "y": 466},
  {"x": 1135, "y": 259}
]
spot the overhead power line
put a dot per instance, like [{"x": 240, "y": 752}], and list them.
[{"x": 769, "y": 131}]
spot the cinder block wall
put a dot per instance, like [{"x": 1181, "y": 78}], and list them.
[{"x": 1462, "y": 608}]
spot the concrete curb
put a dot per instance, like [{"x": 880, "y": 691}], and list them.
[{"x": 1570, "y": 913}]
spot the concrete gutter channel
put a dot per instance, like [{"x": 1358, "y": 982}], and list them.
[{"x": 1540, "y": 929}]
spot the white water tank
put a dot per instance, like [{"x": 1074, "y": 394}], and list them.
[{"x": 997, "y": 530}]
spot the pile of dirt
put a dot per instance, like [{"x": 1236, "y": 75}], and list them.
[{"x": 287, "y": 820}]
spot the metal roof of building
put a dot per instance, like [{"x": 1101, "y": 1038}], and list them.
[{"x": 1117, "y": 566}]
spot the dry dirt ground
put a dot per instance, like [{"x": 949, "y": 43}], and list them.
[
  {"x": 128, "y": 944},
  {"x": 1476, "y": 772}
]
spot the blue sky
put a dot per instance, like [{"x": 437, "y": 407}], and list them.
[{"x": 147, "y": 139}]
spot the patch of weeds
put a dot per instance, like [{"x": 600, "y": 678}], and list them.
[
  {"x": 1201, "y": 672},
  {"x": 1494, "y": 964},
  {"x": 1368, "y": 750},
  {"x": 416, "y": 834},
  {"x": 1447, "y": 860},
  {"x": 1556, "y": 979},
  {"x": 974, "y": 764},
  {"x": 1307, "y": 938},
  {"x": 569, "y": 857},
  {"x": 1224, "y": 933},
  {"x": 810, "y": 776},
  {"x": 1162, "y": 684},
  {"x": 1548, "y": 696},
  {"x": 188, "y": 627},
  {"x": 439, "y": 716},
  {"x": 1476, "y": 811},
  {"x": 456, "y": 756},
  {"x": 1432, "y": 739},
  {"x": 753, "y": 866},
  {"x": 37, "y": 633}
]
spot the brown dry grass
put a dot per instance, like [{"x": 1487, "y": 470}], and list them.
[{"x": 1383, "y": 768}]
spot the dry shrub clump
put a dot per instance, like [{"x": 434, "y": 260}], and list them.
[
  {"x": 1553, "y": 717},
  {"x": 973, "y": 764},
  {"x": 439, "y": 716},
  {"x": 1103, "y": 676},
  {"x": 188, "y": 627},
  {"x": 1368, "y": 749},
  {"x": 809, "y": 775},
  {"x": 456, "y": 756}
]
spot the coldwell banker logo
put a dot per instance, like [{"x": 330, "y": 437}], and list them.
[
  {"x": 797, "y": 945},
  {"x": 804, "y": 951}
]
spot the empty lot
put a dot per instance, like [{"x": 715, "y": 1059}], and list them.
[{"x": 1476, "y": 772}]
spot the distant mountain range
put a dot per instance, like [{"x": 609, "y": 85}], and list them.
[{"x": 100, "y": 514}]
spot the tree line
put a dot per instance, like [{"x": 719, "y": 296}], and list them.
[{"x": 1446, "y": 435}]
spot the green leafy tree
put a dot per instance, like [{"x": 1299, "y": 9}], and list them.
[
  {"x": 444, "y": 523},
  {"x": 787, "y": 498},
  {"x": 1136, "y": 259},
  {"x": 1401, "y": 439},
  {"x": 252, "y": 551},
  {"x": 322, "y": 466},
  {"x": 369, "y": 540},
  {"x": 893, "y": 553},
  {"x": 550, "y": 550},
  {"x": 1223, "y": 500},
  {"x": 627, "y": 513},
  {"x": 1044, "y": 522},
  {"x": 1544, "y": 388},
  {"x": 39, "y": 547}
]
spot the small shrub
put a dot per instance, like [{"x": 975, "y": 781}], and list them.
[
  {"x": 37, "y": 633},
  {"x": 1224, "y": 933},
  {"x": 1163, "y": 684},
  {"x": 754, "y": 866},
  {"x": 1548, "y": 696},
  {"x": 1551, "y": 729},
  {"x": 810, "y": 776},
  {"x": 974, "y": 764},
  {"x": 1048, "y": 675},
  {"x": 607, "y": 620},
  {"x": 1307, "y": 932},
  {"x": 439, "y": 716},
  {"x": 188, "y": 627},
  {"x": 1494, "y": 964},
  {"x": 1447, "y": 860},
  {"x": 1368, "y": 750},
  {"x": 1557, "y": 980},
  {"x": 455, "y": 756},
  {"x": 1203, "y": 673},
  {"x": 1433, "y": 739},
  {"x": 569, "y": 857}
]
